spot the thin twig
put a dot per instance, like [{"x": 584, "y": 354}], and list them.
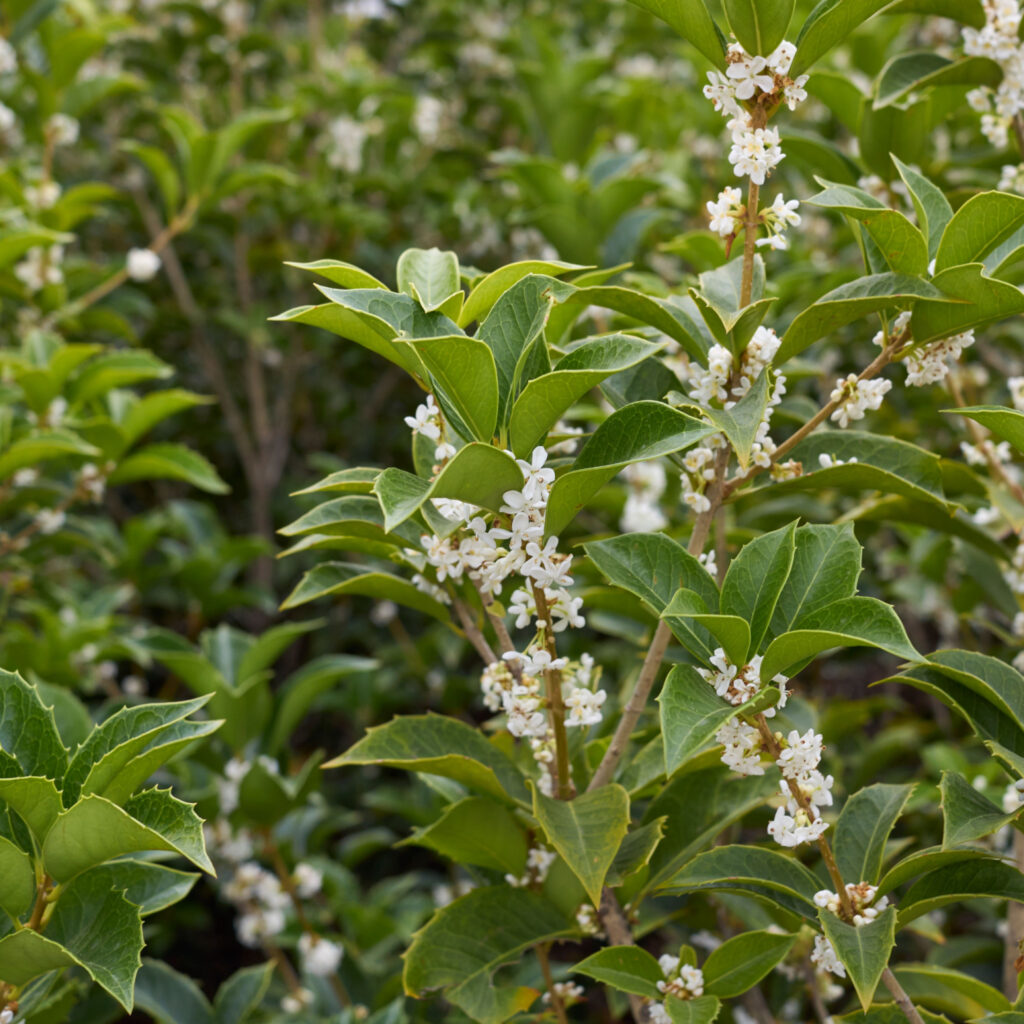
[
  {"x": 555, "y": 999},
  {"x": 473, "y": 634},
  {"x": 900, "y": 995},
  {"x": 556, "y": 706}
]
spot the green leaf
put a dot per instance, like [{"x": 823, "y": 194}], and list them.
[
  {"x": 478, "y": 473},
  {"x": 826, "y": 26},
  {"x": 352, "y": 515},
  {"x": 429, "y": 275},
  {"x": 684, "y": 615},
  {"x": 826, "y": 567},
  {"x": 34, "y": 798},
  {"x": 465, "y": 942},
  {"x": 690, "y": 18},
  {"x": 42, "y": 447},
  {"x": 965, "y": 880},
  {"x": 863, "y": 951},
  {"x": 546, "y": 398},
  {"x": 740, "y": 423},
  {"x": 930, "y": 204},
  {"x": 863, "y": 829},
  {"x": 28, "y": 732},
  {"x": 586, "y": 831},
  {"x": 358, "y": 480},
  {"x": 949, "y": 991},
  {"x": 440, "y": 746},
  {"x": 731, "y": 632},
  {"x": 759, "y": 25},
  {"x": 626, "y": 968},
  {"x": 168, "y": 461},
  {"x": 654, "y": 567},
  {"x": 911, "y": 72},
  {"x": 782, "y": 879},
  {"x": 96, "y": 830},
  {"x": 644, "y": 430},
  {"x": 347, "y": 578},
  {"x": 739, "y": 963},
  {"x": 169, "y": 997},
  {"x": 347, "y": 275},
  {"x": 102, "y": 931},
  {"x": 923, "y": 861},
  {"x": 17, "y": 879},
  {"x": 146, "y": 884},
  {"x": 852, "y": 301},
  {"x": 26, "y": 954},
  {"x": 486, "y": 293},
  {"x": 476, "y": 831},
  {"x": 464, "y": 370},
  {"x": 239, "y": 996},
  {"x": 691, "y": 714},
  {"x": 117, "y": 369},
  {"x": 755, "y": 579},
  {"x": 979, "y": 299},
  {"x": 966, "y": 814},
  {"x": 1005, "y": 423},
  {"x": 981, "y": 224},
  {"x": 153, "y": 408},
  {"x": 702, "y": 1010},
  {"x": 636, "y": 851},
  {"x": 990, "y": 677},
  {"x": 850, "y": 622}
]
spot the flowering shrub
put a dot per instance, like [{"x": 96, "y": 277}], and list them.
[{"x": 638, "y": 533}]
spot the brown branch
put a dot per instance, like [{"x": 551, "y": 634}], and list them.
[
  {"x": 902, "y": 999},
  {"x": 473, "y": 634},
  {"x": 556, "y": 1000},
  {"x": 553, "y": 682}
]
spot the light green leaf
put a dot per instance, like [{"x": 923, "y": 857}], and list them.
[
  {"x": 852, "y": 301},
  {"x": 28, "y": 732},
  {"x": 1005, "y": 423},
  {"x": 486, "y": 292},
  {"x": 546, "y": 398},
  {"x": 755, "y": 579},
  {"x": 428, "y": 275},
  {"x": 965, "y": 880},
  {"x": 358, "y": 480},
  {"x": 966, "y": 814},
  {"x": 26, "y": 954},
  {"x": 476, "y": 831},
  {"x": 34, "y": 798},
  {"x": 347, "y": 578},
  {"x": 977, "y": 299},
  {"x": 981, "y": 224},
  {"x": 626, "y": 968},
  {"x": 740, "y": 423},
  {"x": 169, "y": 461},
  {"x": 169, "y": 997},
  {"x": 654, "y": 567},
  {"x": 465, "y": 942},
  {"x": 146, "y": 884},
  {"x": 691, "y": 714},
  {"x": 863, "y": 829},
  {"x": 739, "y": 963},
  {"x": 930, "y": 204},
  {"x": 826, "y": 26},
  {"x": 439, "y": 746},
  {"x": 850, "y": 622},
  {"x": 464, "y": 371},
  {"x": 911, "y": 72},
  {"x": 731, "y": 632},
  {"x": 153, "y": 408},
  {"x": 636, "y": 851},
  {"x": 478, "y": 473},
  {"x": 682, "y": 614},
  {"x": 117, "y": 369},
  {"x": 644, "y": 430},
  {"x": 863, "y": 951},
  {"x": 586, "y": 831},
  {"x": 759, "y": 26},
  {"x": 17, "y": 879},
  {"x": 702, "y": 1010},
  {"x": 690, "y": 18},
  {"x": 42, "y": 447},
  {"x": 347, "y": 275},
  {"x": 352, "y": 515}
]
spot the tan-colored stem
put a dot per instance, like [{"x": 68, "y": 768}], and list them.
[
  {"x": 902, "y": 999},
  {"x": 556, "y": 706},
  {"x": 556, "y": 1000},
  {"x": 1014, "y": 927},
  {"x": 469, "y": 627},
  {"x": 36, "y": 922}
]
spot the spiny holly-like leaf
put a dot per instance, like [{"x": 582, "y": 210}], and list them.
[
  {"x": 863, "y": 829},
  {"x": 586, "y": 831},
  {"x": 741, "y": 962},
  {"x": 464, "y": 943},
  {"x": 863, "y": 951},
  {"x": 627, "y": 968},
  {"x": 644, "y": 430},
  {"x": 146, "y": 884},
  {"x": 34, "y": 798},
  {"x": 476, "y": 831},
  {"x": 440, "y": 746},
  {"x": 28, "y": 732}
]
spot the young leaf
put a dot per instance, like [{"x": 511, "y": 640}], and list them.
[
  {"x": 429, "y": 275},
  {"x": 627, "y": 968},
  {"x": 486, "y": 293},
  {"x": 35, "y": 799},
  {"x": 739, "y": 963},
  {"x": 586, "y": 831},
  {"x": 863, "y": 829},
  {"x": 644, "y": 430},
  {"x": 17, "y": 879},
  {"x": 167, "y": 461},
  {"x": 340, "y": 273},
  {"x": 755, "y": 579},
  {"x": 476, "y": 831},
  {"x": 863, "y": 951},
  {"x": 465, "y": 942},
  {"x": 966, "y": 814},
  {"x": 759, "y": 26},
  {"x": 440, "y": 746}
]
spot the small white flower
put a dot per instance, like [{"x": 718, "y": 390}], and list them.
[
  {"x": 320, "y": 956},
  {"x": 143, "y": 264}
]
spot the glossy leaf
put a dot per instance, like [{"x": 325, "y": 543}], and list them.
[
  {"x": 759, "y": 26},
  {"x": 930, "y": 204},
  {"x": 826, "y": 26},
  {"x": 28, "y": 732},
  {"x": 863, "y": 829},
  {"x": 429, "y": 275},
  {"x": 980, "y": 299},
  {"x": 982, "y": 223},
  {"x": 17, "y": 879},
  {"x": 864, "y": 951},
  {"x": 690, "y": 18},
  {"x": 35, "y": 799},
  {"x": 954, "y": 883},
  {"x": 967, "y": 815},
  {"x": 909, "y": 72},
  {"x": 486, "y": 292},
  {"x": 626, "y": 968},
  {"x": 739, "y": 963}
]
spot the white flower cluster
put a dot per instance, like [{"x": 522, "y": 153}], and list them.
[
  {"x": 776, "y": 218},
  {"x": 798, "y": 762},
  {"x": 444, "y": 893},
  {"x": 40, "y": 267},
  {"x": 42, "y": 196},
  {"x": 588, "y": 921},
  {"x": 62, "y": 130},
  {"x": 929, "y": 364},
  {"x": 263, "y": 901},
  {"x": 538, "y": 864},
  {"x": 427, "y": 421},
  {"x": 235, "y": 770},
  {"x": 1015, "y": 574},
  {"x": 227, "y": 844},
  {"x": 320, "y": 956},
  {"x": 862, "y": 898},
  {"x": 642, "y": 513},
  {"x": 1016, "y": 386},
  {"x": 49, "y": 520},
  {"x": 827, "y": 461},
  {"x": 8, "y": 58},
  {"x": 344, "y": 144},
  {"x": 727, "y": 212},
  {"x": 1011, "y": 179},
  {"x": 855, "y": 397},
  {"x": 998, "y": 40},
  {"x": 567, "y": 991},
  {"x": 755, "y": 150},
  {"x": 308, "y": 881},
  {"x": 824, "y": 957},
  {"x": 684, "y": 981},
  {"x": 979, "y": 454}
]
